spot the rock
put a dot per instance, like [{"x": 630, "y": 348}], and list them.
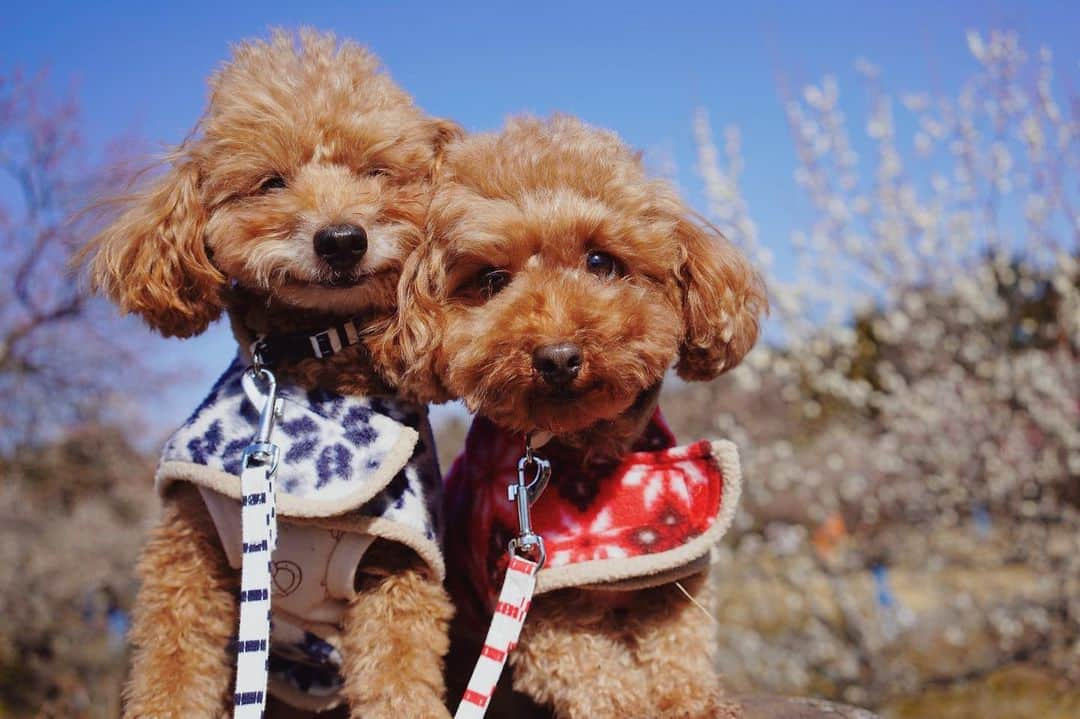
[{"x": 769, "y": 707}]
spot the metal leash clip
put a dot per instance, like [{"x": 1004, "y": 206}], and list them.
[
  {"x": 528, "y": 542},
  {"x": 262, "y": 451},
  {"x": 258, "y": 532}
]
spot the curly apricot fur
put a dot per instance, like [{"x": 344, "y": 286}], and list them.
[
  {"x": 533, "y": 201},
  {"x": 207, "y": 237}
]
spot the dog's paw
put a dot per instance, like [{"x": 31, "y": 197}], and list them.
[{"x": 695, "y": 702}]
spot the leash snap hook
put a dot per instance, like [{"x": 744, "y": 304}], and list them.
[
  {"x": 524, "y": 494},
  {"x": 541, "y": 476},
  {"x": 262, "y": 450}
]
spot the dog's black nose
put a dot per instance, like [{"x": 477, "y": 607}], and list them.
[
  {"x": 342, "y": 246},
  {"x": 558, "y": 364}
]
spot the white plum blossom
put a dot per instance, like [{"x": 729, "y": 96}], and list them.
[{"x": 916, "y": 404}]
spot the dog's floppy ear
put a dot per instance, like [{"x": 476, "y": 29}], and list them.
[
  {"x": 408, "y": 351},
  {"x": 444, "y": 133},
  {"x": 722, "y": 300},
  {"x": 152, "y": 259}
]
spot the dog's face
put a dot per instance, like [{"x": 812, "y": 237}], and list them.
[
  {"x": 307, "y": 180},
  {"x": 559, "y": 284}
]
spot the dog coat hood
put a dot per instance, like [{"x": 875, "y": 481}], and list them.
[
  {"x": 350, "y": 469},
  {"x": 648, "y": 519}
]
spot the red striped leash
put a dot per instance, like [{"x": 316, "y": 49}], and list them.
[{"x": 517, "y": 589}]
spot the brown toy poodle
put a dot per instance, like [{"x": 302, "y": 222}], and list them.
[
  {"x": 557, "y": 286},
  {"x": 292, "y": 208}
]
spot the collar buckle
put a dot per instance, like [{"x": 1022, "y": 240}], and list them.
[{"x": 326, "y": 343}]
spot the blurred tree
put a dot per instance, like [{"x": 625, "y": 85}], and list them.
[
  {"x": 935, "y": 311},
  {"x": 61, "y": 356},
  {"x": 73, "y": 513},
  {"x": 922, "y": 384},
  {"x": 74, "y": 496}
]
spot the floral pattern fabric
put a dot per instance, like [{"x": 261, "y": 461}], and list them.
[
  {"x": 330, "y": 446},
  {"x": 656, "y": 498}
]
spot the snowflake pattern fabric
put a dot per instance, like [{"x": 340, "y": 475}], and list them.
[
  {"x": 330, "y": 446},
  {"x": 655, "y": 499}
]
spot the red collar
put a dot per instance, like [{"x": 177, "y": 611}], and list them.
[{"x": 655, "y": 499}]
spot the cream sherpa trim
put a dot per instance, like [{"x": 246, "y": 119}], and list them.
[
  {"x": 659, "y": 568},
  {"x": 655, "y": 580},
  {"x": 288, "y": 505}
]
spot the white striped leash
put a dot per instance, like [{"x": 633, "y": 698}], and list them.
[
  {"x": 258, "y": 523},
  {"x": 502, "y": 636},
  {"x": 517, "y": 590}
]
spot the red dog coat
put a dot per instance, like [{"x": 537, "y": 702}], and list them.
[{"x": 648, "y": 519}]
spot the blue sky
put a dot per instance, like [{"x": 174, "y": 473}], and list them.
[{"x": 638, "y": 68}]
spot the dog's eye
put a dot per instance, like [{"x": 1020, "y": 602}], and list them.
[
  {"x": 602, "y": 264},
  {"x": 492, "y": 280},
  {"x": 377, "y": 171},
  {"x": 276, "y": 182}
]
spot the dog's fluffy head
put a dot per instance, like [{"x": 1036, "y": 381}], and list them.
[
  {"x": 301, "y": 133},
  {"x": 550, "y": 232}
]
